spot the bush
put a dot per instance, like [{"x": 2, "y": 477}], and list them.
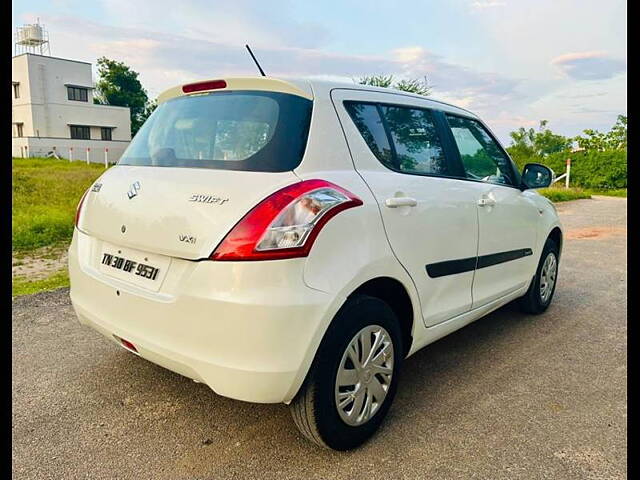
[{"x": 591, "y": 169}]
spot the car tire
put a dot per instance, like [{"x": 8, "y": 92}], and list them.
[
  {"x": 537, "y": 299},
  {"x": 317, "y": 411}
]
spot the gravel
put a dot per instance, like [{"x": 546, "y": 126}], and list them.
[{"x": 509, "y": 396}]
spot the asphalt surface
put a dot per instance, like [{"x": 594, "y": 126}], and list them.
[{"x": 509, "y": 396}]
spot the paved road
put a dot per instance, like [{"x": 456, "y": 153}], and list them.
[{"x": 510, "y": 396}]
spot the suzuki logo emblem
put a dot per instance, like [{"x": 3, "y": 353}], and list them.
[{"x": 133, "y": 190}]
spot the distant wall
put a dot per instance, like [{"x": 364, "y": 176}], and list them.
[{"x": 40, "y": 147}]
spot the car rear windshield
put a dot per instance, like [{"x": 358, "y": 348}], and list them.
[{"x": 240, "y": 130}]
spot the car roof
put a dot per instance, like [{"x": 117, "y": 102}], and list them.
[
  {"x": 323, "y": 85},
  {"x": 305, "y": 87}
]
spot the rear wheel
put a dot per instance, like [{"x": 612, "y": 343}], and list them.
[
  {"x": 354, "y": 376},
  {"x": 540, "y": 293}
]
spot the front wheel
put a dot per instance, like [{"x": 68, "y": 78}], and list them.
[
  {"x": 543, "y": 286},
  {"x": 354, "y": 376}
]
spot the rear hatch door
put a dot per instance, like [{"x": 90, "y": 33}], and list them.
[
  {"x": 179, "y": 212},
  {"x": 196, "y": 167}
]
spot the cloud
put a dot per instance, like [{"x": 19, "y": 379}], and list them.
[
  {"x": 463, "y": 86},
  {"x": 581, "y": 109},
  {"x": 199, "y": 41},
  {"x": 592, "y": 65},
  {"x": 167, "y": 59},
  {"x": 238, "y": 21},
  {"x": 480, "y": 4},
  {"x": 583, "y": 95}
]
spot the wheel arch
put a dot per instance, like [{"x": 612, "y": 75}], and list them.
[
  {"x": 556, "y": 235},
  {"x": 394, "y": 294}
]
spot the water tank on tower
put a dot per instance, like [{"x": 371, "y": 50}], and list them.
[{"x": 32, "y": 38}]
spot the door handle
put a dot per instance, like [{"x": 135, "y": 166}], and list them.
[
  {"x": 396, "y": 202},
  {"x": 486, "y": 202}
]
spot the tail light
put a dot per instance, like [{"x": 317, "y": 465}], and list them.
[
  {"x": 202, "y": 86},
  {"x": 285, "y": 224},
  {"x": 79, "y": 207}
]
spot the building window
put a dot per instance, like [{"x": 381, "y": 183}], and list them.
[
  {"x": 19, "y": 130},
  {"x": 78, "y": 94},
  {"x": 16, "y": 90},
  {"x": 79, "y": 132},
  {"x": 105, "y": 133}
]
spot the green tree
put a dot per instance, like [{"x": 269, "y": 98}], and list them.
[
  {"x": 592, "y": 140},
  {"x": 420, "y": 87},
  {"x": 546, "y": 142},
  {"x": 527, "y": 143},
  {"x": 614, "y": 139},
  {"x": 522, "y": 143},
  {"x": 119, "y": 85},
  {"x": 149, "y": 109},
  {"x": 618, "y": 135}
]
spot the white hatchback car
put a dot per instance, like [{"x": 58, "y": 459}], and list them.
[{"x": 295, "y": 241}]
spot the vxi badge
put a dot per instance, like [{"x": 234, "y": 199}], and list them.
[{"x": 187, "y": 238}]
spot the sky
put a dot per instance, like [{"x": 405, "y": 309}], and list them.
[{"x": 513, "y": 62}]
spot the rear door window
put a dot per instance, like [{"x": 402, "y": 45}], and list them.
[
  {"x": 417, "y": 146},
  {"x": 238, "y": 130},
  {"x": 404, "y": 139}
]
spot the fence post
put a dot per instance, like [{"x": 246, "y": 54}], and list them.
[
  {"x": 71, "y": 154},
  {"x": 88, "y": 150},
  {"x": 106, "y": 157},
  {"x": 566, "y": 180}
]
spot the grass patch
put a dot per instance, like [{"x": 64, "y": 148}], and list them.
[
  {"x": 561, "y": 194},
  {"x": 616, "y": 192},
  {"x": 23, "y": 286},
  {"x": 45, "y": 195},
  {"x": 564, "y": 194}
]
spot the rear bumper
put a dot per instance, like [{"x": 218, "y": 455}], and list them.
[{"x": 249, "y": 330}]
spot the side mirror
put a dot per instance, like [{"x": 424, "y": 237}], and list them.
[{"x": 535, "y": 175}]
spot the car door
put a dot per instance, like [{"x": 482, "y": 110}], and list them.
[
  {"x": 429, "y": 217},
  {"x": 507, "y": 219}
]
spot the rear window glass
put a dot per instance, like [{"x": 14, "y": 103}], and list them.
[{"x": 247, "y": 130}]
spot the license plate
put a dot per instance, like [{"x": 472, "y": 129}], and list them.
[{"x": 133, "y": 266}]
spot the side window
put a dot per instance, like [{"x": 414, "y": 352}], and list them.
[
  {"x": 368, "y": 121},
  {"x": 417, "y": 145},
  {"x": 80, "y": 132},
  {"x": 78, "y": 94},
  {"x": 480, "y": 154}
]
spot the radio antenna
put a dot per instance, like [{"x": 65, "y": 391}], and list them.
[{"x": 256, "y": 61}]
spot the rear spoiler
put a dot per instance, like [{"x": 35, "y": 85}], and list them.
[{"x": 238, "y": 83}]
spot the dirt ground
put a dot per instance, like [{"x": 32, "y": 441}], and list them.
[
  {"x": 41, "y": 263},
  {"x": 510, "y": 396}
]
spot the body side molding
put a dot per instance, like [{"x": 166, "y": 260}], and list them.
[{"x": 452, "y": 267}]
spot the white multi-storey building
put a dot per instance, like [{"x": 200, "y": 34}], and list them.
[{"x": 53, "y": 112}]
